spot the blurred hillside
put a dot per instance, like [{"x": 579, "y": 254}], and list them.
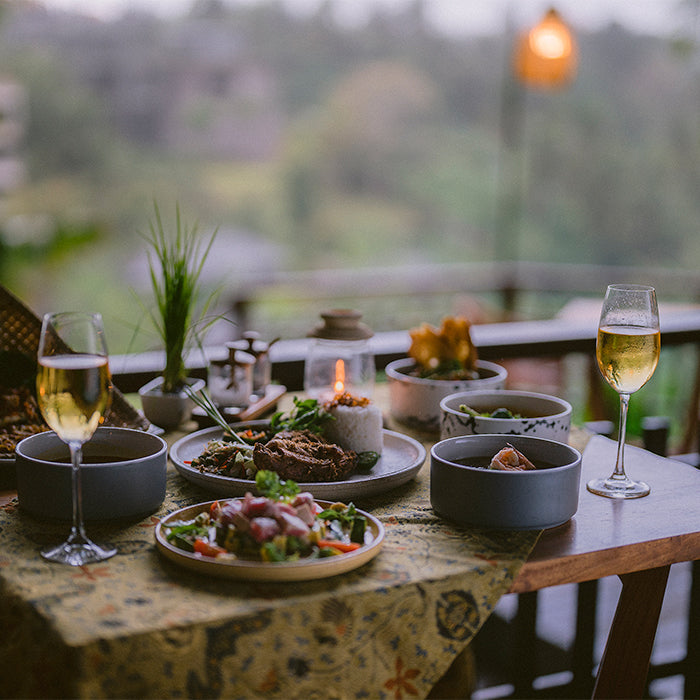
[{"x": 311, "y": 145}]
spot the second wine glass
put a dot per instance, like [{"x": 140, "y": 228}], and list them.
[
  {"x": 627, "y": 350},
  {"x": 73, "y": 391}
]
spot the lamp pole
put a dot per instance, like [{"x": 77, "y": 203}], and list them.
[
  {"x": 544, "y": 57},
  {"x": 509, "y": 199}
]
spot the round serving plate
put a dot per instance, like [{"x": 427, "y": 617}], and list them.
[
  {"x": 302, "y": 570},
  {"x": 401, "y": 459}
]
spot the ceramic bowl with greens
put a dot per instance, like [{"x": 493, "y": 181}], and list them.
[{"x": 505, "y": 411}]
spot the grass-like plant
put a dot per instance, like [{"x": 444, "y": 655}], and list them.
[{"x": 175, "y": 263}]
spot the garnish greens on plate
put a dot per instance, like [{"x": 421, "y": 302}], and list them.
[{"x": 284, "y": 524}]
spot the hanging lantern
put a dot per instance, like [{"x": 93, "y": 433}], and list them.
[
  {"x": 546, "y": 56},
  {"x": 340, "y": 359}
]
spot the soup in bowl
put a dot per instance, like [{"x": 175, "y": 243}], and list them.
[{"x": 467, "y": 489}]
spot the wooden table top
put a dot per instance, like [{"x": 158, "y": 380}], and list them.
[{"x": 611, "y": 536}]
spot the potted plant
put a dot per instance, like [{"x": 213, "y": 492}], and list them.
[
  {"x": 440, "y": 362},
  {"x": 175, "y": 265}
]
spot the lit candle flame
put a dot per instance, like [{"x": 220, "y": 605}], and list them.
[{"x": 339, "y": 385}]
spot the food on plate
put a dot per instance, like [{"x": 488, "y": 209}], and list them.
[
  {"x": 497, "y": 413},
  {"x": 304, "y": 456},
  {"x": 12, "y": 435},
  {"x": 282, "y": 525},
  {"x": 444, "y": 353},
  {"x": 19, "y": 411},
  {"x": 357, "y": 423},
  {"x": 295, "y": 445},
  {"x": 510, "y": 459},
  {"x": 19, "y": 418}
]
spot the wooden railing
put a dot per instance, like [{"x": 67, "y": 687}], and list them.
[
  {"x": 555, "y": 338},
  {"x": 508, "y": 281}
]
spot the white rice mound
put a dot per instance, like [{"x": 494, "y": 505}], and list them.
[{"x": 357, "y": 428}]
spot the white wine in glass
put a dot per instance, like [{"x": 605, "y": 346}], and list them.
[
  {"x": 627, "y": 350},
  {"x": 74, "y": 391}
]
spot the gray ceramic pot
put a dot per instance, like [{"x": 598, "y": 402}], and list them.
[
  {"x": 126, "y": 481},
  {"x": 516, "y": 500}
]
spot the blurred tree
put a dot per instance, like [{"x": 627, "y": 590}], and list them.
[
  {"x": 391, "y": 132},
  {"x": 68, "y": 130},
  {"x": 373, "y": 124}
]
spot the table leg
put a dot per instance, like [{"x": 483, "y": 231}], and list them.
[
  {"x": 625, "y": 663},
  {"x": 583, "y": 652},
  {"x": 524, "y": 668},
  {"x": 692, "y": 654}
]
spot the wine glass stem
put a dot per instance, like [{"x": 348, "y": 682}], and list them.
[
  {"x": 619, "y": 472},
  {"x": 77, "y": 533}
]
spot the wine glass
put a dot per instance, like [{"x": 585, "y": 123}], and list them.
[
  {"x": 627, "y": 350},
  {"x": 74, "y": 391}
]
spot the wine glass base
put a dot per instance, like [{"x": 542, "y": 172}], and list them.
[
  {"x": 618, "y": 488},
  {"x": 78, "y": 554}
]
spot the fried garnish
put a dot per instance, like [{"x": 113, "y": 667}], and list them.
[
  {"x": 449, "y": 346},
  {"x": 19, "y": 418}
]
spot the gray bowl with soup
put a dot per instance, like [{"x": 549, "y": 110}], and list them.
[
  {"x": 122, "y": 475},
  {"x": 465, "y": 490}
]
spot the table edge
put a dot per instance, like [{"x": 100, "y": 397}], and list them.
[{"x": 556, "y": 570}]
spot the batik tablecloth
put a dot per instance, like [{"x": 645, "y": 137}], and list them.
[{"x": 137, "y": 625}]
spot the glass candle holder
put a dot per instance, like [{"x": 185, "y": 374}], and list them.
[{"x": 340, "y": 359}]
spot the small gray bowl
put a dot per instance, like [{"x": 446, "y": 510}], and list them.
[
  {"x": 122, "y": 476},
  {"x": 513, "y": 500},
  {"x": 544, "y": 416}
]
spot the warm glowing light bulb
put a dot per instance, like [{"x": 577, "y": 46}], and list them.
[
  {"x": 549, "y": 42},
  {"x": 339, "y": 385},
  {"x": 545, "y": 56}
]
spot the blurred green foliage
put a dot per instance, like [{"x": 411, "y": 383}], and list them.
[{"x": 390, "y": 151}]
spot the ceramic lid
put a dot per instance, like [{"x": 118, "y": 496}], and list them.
[{"x": 341, "y": 324}]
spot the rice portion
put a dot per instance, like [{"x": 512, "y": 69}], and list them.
[{"x": 357, "y": 428}]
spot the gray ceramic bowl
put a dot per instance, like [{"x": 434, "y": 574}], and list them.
[
  {"x": 515, "y": 500},
  {"x": 416, "y": 402},
  {"x": 126, "y": 481},
  {"x": 543, "y": 415}
]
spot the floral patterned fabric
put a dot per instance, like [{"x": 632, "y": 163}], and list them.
[{"x": 137, "y": 625}]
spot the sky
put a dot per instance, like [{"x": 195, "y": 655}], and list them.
[{"x": 475, "y": 16}]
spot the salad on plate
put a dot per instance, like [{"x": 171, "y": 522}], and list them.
[{"x": 283, "y": 524}]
